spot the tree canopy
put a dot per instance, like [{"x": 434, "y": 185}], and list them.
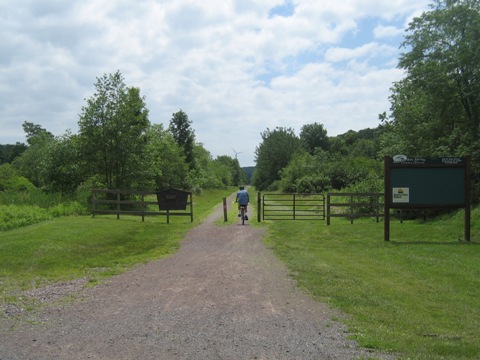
[
  {"x": 435, "y": 111},
  {"x": 184, "y": 135},
  {"x": 436, "y": 107},
  {"x": 112, "y": 130},
  {"x": 273, "y": 154}
]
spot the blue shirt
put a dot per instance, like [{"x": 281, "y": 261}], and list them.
[{"x": 242, "y": 197}]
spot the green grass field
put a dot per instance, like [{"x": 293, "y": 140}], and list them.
[
  {"x": 417, "y": 295},
  {"x": 66, "y": 248}
]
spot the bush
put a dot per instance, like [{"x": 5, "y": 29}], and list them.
[
  {"x": 10, "y": 180},
  {"x": 84, "y": 194}
]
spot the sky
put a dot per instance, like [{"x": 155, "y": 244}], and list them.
[{"x": 235, "y": 67}]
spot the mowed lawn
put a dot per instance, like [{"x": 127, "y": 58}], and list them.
[
  {"x": 67, "y": 248},
  {"x": 417, "y": 295}
]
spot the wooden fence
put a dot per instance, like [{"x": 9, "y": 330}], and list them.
[
  {"x": 355, "y": 205},
  {"x": 139, "y": 203}
]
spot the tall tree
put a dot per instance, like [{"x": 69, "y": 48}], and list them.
[
  {"x": 165, "y": 159},
  {"x": 314, "y": 136},
  {"x": 443, "y": 72},
  {"x": 112, "y": 129},
  {"x": 436, "y": 107},
  {"x": 33, "y": 162},
  {"x": 62, "y": 170},
  {"x": 184, "y": 135},
  {"x": 34, "y": 132},
  {"x": 273, "y": 154},
  {"x": 235, "y": 173}
]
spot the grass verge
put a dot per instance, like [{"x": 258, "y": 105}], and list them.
[
  {"x": 73, "y": 247},
  {"x": 416, "y": 295}
]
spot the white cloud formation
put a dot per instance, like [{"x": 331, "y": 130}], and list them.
[
  {"x": 381, "y": 31},
  {"x": 230, "y": 65}
]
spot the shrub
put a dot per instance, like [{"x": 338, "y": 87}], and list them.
[{"x": 10, "y": 180}]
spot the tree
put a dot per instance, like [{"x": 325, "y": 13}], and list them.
[
  {"x": 445, "y": 55},
  {"x": 62, "y": 167},
  {"x": 314, "y": 136},
  {"x": 33, "y": 162},
  {"x": 443, "y": 72},
  {"x": 112, "y": 129},
  {"x": 9, "y": 152},
  {"x": 273, "y": 154},
  {"x": 180, "y": 127},
  {"x": 304, "y": 174},
  {"x": 165, "y": 160},
  {"x": 35, "y": 132},
  {"x": 11, "y": 180},
  {"x": 235, "y": 175},
  {"x": 436, "y": 107}
]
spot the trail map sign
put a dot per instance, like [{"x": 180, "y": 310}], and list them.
[{"x": 416, "y": 183}]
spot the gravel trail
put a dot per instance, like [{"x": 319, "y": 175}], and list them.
[{"x": 224, "y": 295}]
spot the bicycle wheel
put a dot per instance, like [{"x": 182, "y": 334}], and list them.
[{"x": 242, "y": 212}]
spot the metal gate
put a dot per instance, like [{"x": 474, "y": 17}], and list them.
[{"x": 293, "y": 207}]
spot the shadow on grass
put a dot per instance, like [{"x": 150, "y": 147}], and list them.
[{"x": 444, "y": 243}]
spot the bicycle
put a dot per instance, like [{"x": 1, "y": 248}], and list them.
[{"x": 243, "y": 216}]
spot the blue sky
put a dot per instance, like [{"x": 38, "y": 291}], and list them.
[{"x": 236, "y": 67}]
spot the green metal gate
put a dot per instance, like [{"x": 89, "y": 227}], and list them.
[{"x": 293, "y": 207}]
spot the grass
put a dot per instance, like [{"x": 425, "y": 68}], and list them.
[
  {"x": 416, "y": 295},
  {"x": 68, "y": 248}
]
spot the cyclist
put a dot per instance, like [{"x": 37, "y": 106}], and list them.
[{"x": 242, "y": 199}]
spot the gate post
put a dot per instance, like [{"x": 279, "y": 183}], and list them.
[
  {"x": 259, "y": 206},
  {"x": 225, "y": 218},
  {"x": 328, "y": 208}
]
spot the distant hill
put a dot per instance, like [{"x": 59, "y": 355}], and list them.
[{"x": 248, "y": 171}]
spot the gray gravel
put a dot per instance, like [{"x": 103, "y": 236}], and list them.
[{"x": 222, "y": 296}]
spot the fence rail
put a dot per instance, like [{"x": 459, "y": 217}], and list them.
[
  {"x": 293, "y": 207},
  {"x": 137, "y": 207},
  {"x": 355, "y": 205}
]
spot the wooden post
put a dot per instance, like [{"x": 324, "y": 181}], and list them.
[
  {"x": 225, "y": 217},
  {"x": 294, "y": 204},
  {"x": 259, "y": 207},
  {"x": 94, "y": 202},
  {"x": 191, "y": 207},
  {"x": 328, "y": 208},
  {"x": 118, "y": 204},
  {"x": 351, "y": 209},
  {"x": 468, "y": 174},
  {"x": 387, "y": 198}
]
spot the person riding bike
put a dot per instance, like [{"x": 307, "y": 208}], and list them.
[{"x": 242, "y": 199}]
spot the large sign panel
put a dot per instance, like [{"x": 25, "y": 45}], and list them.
[
  {"x": 428, "y": 182},
  {"x": 413, "y": 183}
]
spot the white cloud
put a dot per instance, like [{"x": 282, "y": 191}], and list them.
[
  {"x": 381, "y": 31},
  {"x": 371, "y": 50},
  {"x": 230, "y": 66}
]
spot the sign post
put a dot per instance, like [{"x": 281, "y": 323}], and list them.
[{"x": 421, "y": 183}]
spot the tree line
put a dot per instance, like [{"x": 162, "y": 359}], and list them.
[
  {"x": 435, "y": 111},
  {"x": 117, "y": 147}
]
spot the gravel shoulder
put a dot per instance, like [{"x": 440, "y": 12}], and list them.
[{"x": 224, "y": 295}]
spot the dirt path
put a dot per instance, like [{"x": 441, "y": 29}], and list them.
[{"x": 222, "y": 296}]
